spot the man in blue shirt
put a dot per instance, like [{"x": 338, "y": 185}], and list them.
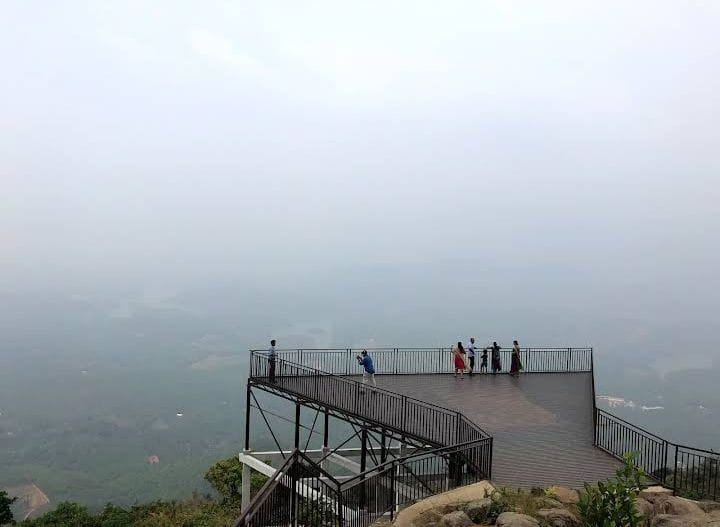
[{"x": 366, "y": 362}]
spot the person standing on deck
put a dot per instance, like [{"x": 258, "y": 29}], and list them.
[
  {"x": 515, "y": 365},
  {"x": 459, "y": 360},
  {"x": 484, "y": 357},
  {"x": 271, "y": 361},
  {"x": 495, "y": 358},
  {"x": 366, "y": 362},
  {"x": 471, "y": 355}
]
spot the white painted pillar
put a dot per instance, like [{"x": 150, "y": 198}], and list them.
[{"x": 246, "y": 483}]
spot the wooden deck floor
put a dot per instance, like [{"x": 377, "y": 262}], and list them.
[{"x": 542, "y": 423}]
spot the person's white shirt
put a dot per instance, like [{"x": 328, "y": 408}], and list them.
[{"x": 470, "y": 349}]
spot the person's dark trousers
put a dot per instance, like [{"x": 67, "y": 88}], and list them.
[
  {"x": 271, "y": 373},
  {"x": 472, "y": 364}
]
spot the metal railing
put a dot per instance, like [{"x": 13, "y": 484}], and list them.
[
  {"x": 414, "y": 361},
  {"x": 690, "y": 472},
  {"x": 408, "y": 416},
  {"x": 302, "y": 493}
]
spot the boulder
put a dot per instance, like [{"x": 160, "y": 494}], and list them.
[
  {"x": 477, "y": 510},
  {"x": 543, "y": 502},
  {"x": 558, "y": 518},
  {"x": 564, "y": 495},
  {"x": 645, "y": 509},
  {"x": 653, "y": 493},
  {"x": 455, "y": 519},
  {"x": 709, "y": 506},
  {"x": 513, "y": 519},
  {"x": 668, "y": 520},
  {"x": 677, "y": 506}
]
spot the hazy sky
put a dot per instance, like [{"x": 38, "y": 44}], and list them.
[{"x": 564, "y": 149}]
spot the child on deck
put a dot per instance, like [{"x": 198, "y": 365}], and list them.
[{"x": 483, "y": 364}]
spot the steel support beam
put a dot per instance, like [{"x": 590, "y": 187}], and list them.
[{"x": 248, "y": 395}]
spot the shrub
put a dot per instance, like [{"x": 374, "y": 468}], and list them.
[
  {"x": 499, "y": 505},
  {"x": 612, "y": 503},
  {"x": 6, "y": 515}
]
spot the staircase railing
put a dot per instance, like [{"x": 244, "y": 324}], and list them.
[
  {"x": 302, "y": 493},
  {"x": 690, "y": 472},
  {"x": 405, "y": 415}
]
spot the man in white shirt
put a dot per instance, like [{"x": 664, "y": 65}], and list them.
[{"x": 471, "y": 354}]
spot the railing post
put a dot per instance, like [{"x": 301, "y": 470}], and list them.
[
  {"x": 489, "y": 474},
  {"x": 392, "y": 491},
  {"x": 404, "y": 412},
  {"x": 568, "y": 359},
  {"x": 675, "y": 472},
  {"x": 293, "y": 492},
  {"x": 340, "y": 515},
  {"x": 363, "y": 465},
  {"x": 247, "y": 415},
  {"x": 665, "y": 462}
]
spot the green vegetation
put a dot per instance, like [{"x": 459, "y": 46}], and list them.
[
  {"x": 612, "y": 503},
  {"x": 193, "y": 512},
  {"x": 225, "y": 476},
  {"x": 6, "y": 515}
]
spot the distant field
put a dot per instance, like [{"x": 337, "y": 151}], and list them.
[{"x": 32, "y": 501}]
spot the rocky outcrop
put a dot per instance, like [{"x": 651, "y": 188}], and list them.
[
  {"x": 477, "y": 505},
  {"x": 514, "y": 519},
  {"x": 645, "y": 509},
  {"x": 477, "y": 510},
  {"x": 558, "y": 518},
  {"x": 652, "y": 494},
  {"x": 455, "y": 519},
  {"x": 677, "y": 506},
  {"x": 564, "y": 495}
]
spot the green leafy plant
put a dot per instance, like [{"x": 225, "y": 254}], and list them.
[
  {"x": 612, "y": 503},
  {"x": 499, "y": 504}
]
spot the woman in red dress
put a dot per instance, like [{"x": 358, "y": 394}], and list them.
[{"x": 459, "y": 359}]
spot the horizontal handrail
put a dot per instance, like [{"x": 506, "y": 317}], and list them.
[
  {"x": 409, "y": 361},
  {"x": 435, "y": 348},
  {"x": 639, "y": 428}
]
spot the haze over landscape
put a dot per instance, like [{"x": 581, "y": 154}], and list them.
[{"x": 181, "y": 183}]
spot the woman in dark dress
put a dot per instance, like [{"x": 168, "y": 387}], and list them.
[
  {"x": 495, "y": 358},
  {"x": 515, "y": 364}
]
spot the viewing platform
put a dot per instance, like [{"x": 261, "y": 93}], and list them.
[{"x": 422, "y": 431}]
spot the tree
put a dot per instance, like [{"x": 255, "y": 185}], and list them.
[
  {"x": 66, "y": 514},
  {"x": 6, "y": 515},
  {"x": 226, "y": 478}
]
